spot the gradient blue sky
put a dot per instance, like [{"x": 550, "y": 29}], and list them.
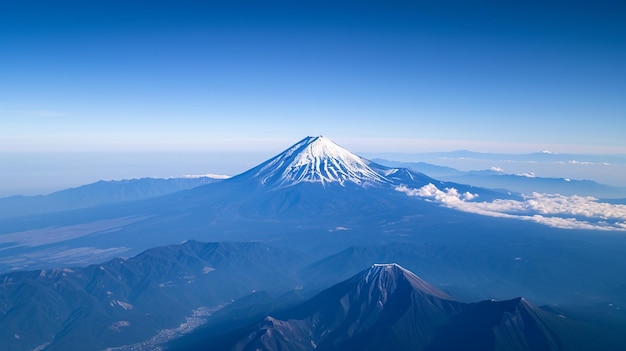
[
  {"x": 375, "y": 76},
  {"x": 121, "y": 75}
]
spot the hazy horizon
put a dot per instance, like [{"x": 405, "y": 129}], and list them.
[
  {"x": 43, "y": 173},
  {"x": 254, "y": 77}
]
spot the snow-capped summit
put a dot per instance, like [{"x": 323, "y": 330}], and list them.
[
  {"x": 388, "y": 276},
  {"x": 316, "y": 159}
]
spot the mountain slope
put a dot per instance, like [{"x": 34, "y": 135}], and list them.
[
  {"x": 389, "y": 308},
  {"x": 499, "y": 325},
  {"x": 382, "y": 306},
  {"x": 127, "y": 301}
]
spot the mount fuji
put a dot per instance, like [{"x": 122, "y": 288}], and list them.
[
  {"x": 303, "y": 196},
  {"x": 315, "y": 160},
  {"x": 310, "y": 178},
  {"x": 320, "y": 161}
]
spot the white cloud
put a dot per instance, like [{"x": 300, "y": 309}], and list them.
[
  {"x": 526, "y": 174},
  {"x": 469, "y": 196},
  {"x": 449, "y": 196},
  {"x": 585, "y": 163},
  {"x": 496, "y": 169},
  {"x": 569, "y": 212},
  {"x": 574, "y": 162}
]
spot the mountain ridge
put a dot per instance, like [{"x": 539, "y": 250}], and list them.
[
  {"x": 98, "y": 194},
  {"x": 388, "y": 307},
  {"x": 129, "y": 300}
]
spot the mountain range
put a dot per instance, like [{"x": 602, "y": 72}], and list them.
[
  {"x": 96, "y": 194},
  {"x": 387, "y": 307},
  {"x": 526, "y": 183},
  {"x": 197, "y": 296},
  {"x": 309, "y": 218},
  {"x": 126, "y": 301}
]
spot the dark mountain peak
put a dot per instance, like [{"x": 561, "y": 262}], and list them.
[
  {"x": 386, "y": 307},
  {"x": 387, "y": 277},
  {"x": 383, "y": 307}
]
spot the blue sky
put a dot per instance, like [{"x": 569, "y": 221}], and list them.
[{"x": 375, "y": 76}]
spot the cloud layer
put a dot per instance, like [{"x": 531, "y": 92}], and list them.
[{"x": 569, "y": 212}]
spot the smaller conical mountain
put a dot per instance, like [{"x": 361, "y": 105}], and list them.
[
  {"x": 386, "y": 307},
  {"x": 383, "y": 307},
  {"x": 386, "y": 278}
]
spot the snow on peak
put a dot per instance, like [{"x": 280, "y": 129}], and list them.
[
  {"x": 316, "y": 159},
  {"x": 385, "y": 268},
  {"x": 386, "y": 276}
]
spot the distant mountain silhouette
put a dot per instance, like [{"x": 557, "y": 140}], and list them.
[
  {"x": 96, "y": 194},
  {"x": 519, "y": 183}
]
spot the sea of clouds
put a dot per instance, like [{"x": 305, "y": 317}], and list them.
[{"x": 569, "y": 212}]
